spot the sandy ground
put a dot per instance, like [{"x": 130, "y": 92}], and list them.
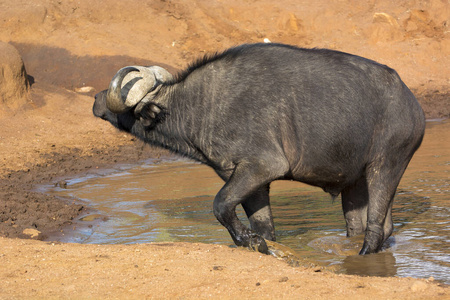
[{"x": 69, "y": 45}]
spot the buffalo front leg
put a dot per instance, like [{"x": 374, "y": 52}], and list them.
[
  {"x": 247, "y": 179},
  {"x": 354, "y": 204},
  {"x": 259, "y": 213}
]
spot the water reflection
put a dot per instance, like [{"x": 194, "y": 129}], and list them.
[
  {"x": 172, "y": 201},
  {"x": 380, "y": 264}
]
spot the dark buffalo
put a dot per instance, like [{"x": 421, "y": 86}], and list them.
[{"x": 264, "y": 112}]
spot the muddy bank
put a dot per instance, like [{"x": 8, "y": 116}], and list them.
[
  {"x": 435, "y": 103},
  {"x": 23, "y": 208}
]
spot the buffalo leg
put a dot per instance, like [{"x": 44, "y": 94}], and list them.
[
  {"x": 246, "y": 180},
  {"x": 382, "y": 184},
  {"x": 354, "y": 205},
  {"x": 257, "y": 208}
]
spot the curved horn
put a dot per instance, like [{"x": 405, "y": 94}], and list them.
[
  {"x": 161, "y": 74},
  {"x": 130, "y": 85}
]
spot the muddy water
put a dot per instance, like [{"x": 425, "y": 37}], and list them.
[{"x": 172, "y": 201}]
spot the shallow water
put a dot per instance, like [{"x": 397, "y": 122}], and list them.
[{"x": 172, "y": 201}]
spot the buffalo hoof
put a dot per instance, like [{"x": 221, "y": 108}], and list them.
[
  {"x": 257, "y": 243},
  {"x": 366, "y": 249},
  {"x": 373, "y": 241}
]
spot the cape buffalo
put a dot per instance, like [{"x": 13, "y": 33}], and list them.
[{"x": 263, "y": 112}]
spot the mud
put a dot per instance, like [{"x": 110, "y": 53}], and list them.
[{"x": 23, "y": 208}]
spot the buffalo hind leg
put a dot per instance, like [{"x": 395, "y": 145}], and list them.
[
  {"x": 382, "y": 184},
  {"x": 259, "y": 213},
  {"x": 246, "y": 180},
  {"x": 354, "y": 204}
]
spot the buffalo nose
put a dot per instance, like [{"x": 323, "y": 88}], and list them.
[
  {"x": 98, "y": 111},
  {"x": 99, "y": 108}
]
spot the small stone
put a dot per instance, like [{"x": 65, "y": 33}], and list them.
[
  {"x": 84, "y": 89},
  {"x": 62, "y": 184},
  {"x": 33, "y": 233}
]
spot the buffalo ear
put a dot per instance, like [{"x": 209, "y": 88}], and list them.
[{"x": 149, "y": 113}]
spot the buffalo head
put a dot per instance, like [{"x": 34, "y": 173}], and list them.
[{"x": 131, "y": 89}]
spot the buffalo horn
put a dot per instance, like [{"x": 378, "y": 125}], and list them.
[{"x": 131, "y": 84}]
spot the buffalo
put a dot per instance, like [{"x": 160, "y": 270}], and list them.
[{"x": 257, "y": 113}]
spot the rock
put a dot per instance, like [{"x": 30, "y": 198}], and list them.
[
  {"x": 13, "y": 79},
  {"x": 84, "y": 89},
  {"x": 62, "y": 184},
  {"x": 33, "y": 233}
]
